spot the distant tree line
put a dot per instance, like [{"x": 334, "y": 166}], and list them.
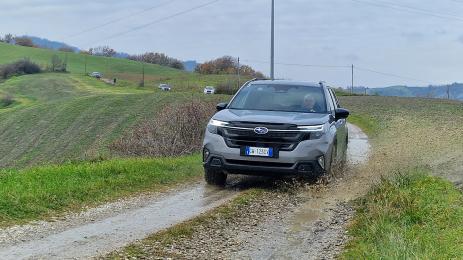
[
  {"x": 158, "y": 58},
  {"x": 18, "y": 40},
  {"x": 223, "y": 65},
  {"x": 227, "y": 65}
]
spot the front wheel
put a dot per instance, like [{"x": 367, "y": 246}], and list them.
[{"x": 215, "y": 177}]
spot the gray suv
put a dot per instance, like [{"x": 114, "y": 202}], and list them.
[{"x": 274, "y": 127}]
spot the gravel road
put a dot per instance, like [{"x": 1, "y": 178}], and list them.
[
  {"x": 307, "y": 224},
  {"x": 106, "y": 228},
  {"x": 305, "y": 221}
]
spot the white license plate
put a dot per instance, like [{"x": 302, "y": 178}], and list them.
[{"x": 259, "y": 151}]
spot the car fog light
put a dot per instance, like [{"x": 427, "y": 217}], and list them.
[
  {"x": 321, "y": 161},
  {"x": 206, "y": 154}
]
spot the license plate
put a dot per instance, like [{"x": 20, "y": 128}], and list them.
[{"x": 258, "y": 151}]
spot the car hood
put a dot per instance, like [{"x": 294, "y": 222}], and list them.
[{"x": 257, "y": 116}]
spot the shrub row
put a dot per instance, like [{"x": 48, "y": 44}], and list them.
[
  {"x": 177, "y": 130},
  {"x": 21, "y": 67}
]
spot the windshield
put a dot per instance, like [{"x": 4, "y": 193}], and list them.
[{"x": 287, "y": 98}]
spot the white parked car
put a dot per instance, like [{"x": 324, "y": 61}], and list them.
[
  {"x": 209, "y": 90},
  {"x": 95, "y": 75},
  {"x": 165, "y": 87}
]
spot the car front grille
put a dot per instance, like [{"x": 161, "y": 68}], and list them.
[{"x": 281, "y": 137}]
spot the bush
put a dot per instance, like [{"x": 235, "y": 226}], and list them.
[
  {"x": 57, "y": 64},
  {"x": 177, "y": 130},
  {"x": 6, "y": 100},
  {"x": 20, "y": 67},
  {"x": 226, "y": 89}
]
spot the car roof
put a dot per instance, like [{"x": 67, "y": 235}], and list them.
[{"x": 285, "y": 82}]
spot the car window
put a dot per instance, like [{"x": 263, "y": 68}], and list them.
[
  {"x": 276, "y": 97},
  {"x": 336, "y": 98},
  {"x": 331, "y": 105},
  {"x": 333, "y": 100}
]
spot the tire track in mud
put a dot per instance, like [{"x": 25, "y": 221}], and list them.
[
  {"x": 315, "y": 228},
  {"x": 290, "y": 220}
]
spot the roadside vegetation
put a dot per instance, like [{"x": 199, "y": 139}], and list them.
[
  {"x": 48, "y": 191},
  {"x": 18, "y": 68},
  {"x": 413, "y": 210},
  {"x": 410, "y": 215},
  {"x": 178, "y": 129}
]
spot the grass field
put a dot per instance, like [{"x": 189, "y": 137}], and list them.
[
  {"x": 42, "y": 192},
  {"x": 409, "y": 216},
  {"x": 60, "y": 117},
  {"x": 128, "y": 73},
  {"x": 413, "y": 212}
]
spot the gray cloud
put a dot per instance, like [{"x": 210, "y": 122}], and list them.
[{"x": 309, "y": 32}]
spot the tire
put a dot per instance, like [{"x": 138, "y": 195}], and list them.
[
  {"x": 215, "y": 177},
  {"x": 328, "y": 174},
  {"x": 344, "y": 156}
]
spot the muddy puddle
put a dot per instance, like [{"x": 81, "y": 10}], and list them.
[{"x": 315, "y": 229}]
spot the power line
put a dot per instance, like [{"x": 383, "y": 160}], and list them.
[
  {"x": 119, "y": 19},
  {"x": 299, "y": 65},
  {"x": 157, "y": 21},
  {"x": 410, "y": 9},
  {"x": 344, "y": 67},
  {"x": 390, "y": 74}
]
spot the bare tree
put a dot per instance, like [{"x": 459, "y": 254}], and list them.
[
  {"x": 9, "y": 38},
  {"x": 102, "y": 51}
]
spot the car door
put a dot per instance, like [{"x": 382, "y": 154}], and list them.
[{"x": 341, "y": 127}]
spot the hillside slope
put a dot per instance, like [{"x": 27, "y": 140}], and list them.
[
  {"x": 76, "y": 62},
  {"x": 62, "y": 116},
  {"x": 128, "y": 72}
]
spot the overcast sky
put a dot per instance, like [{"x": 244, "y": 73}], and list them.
[{"x": 421, "y": 40}]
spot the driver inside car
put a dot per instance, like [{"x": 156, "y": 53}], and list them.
[{"x": 309, "y": 104}]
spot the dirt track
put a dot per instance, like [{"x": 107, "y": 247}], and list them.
[
  {"x": 313, "y": 225},
  {"x": 305, "y": 222}
]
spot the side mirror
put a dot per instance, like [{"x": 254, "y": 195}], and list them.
[
  {"x": 341, "y": 113},
  {"x": 221, "y": 106}
]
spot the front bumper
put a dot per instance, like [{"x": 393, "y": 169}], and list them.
[
  {"x": 248, "y": 167},
  {"x": 301, "y": 161}
]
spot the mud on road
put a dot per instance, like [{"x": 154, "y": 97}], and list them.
[
  {"x": 307, "y": 221},
  {"x": 289, "y": 220}
]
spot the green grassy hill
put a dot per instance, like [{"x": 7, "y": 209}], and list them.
[
  {"x": 128, "y": 72},
  {"x": 61, "y": 117},
  {"x": 76, "y": 62},
  {"x": 57, "y": 117}
]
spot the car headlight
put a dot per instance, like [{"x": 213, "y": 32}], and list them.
[
  {"x": 316, "y": 131},
  {"x": 214, "y": 125}
]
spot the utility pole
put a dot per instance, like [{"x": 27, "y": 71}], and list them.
[
  {"x": 352, "y": 90},
  {"x": 272, "y": 45},
  {"x": 239, "y": 69},
  {"x": 143, "y": 74},
  {"x": 448, "y": 92},
  {"x": 85, "y": 68}
]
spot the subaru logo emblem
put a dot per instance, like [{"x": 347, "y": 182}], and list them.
[{"x": 261, "y": 130}]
